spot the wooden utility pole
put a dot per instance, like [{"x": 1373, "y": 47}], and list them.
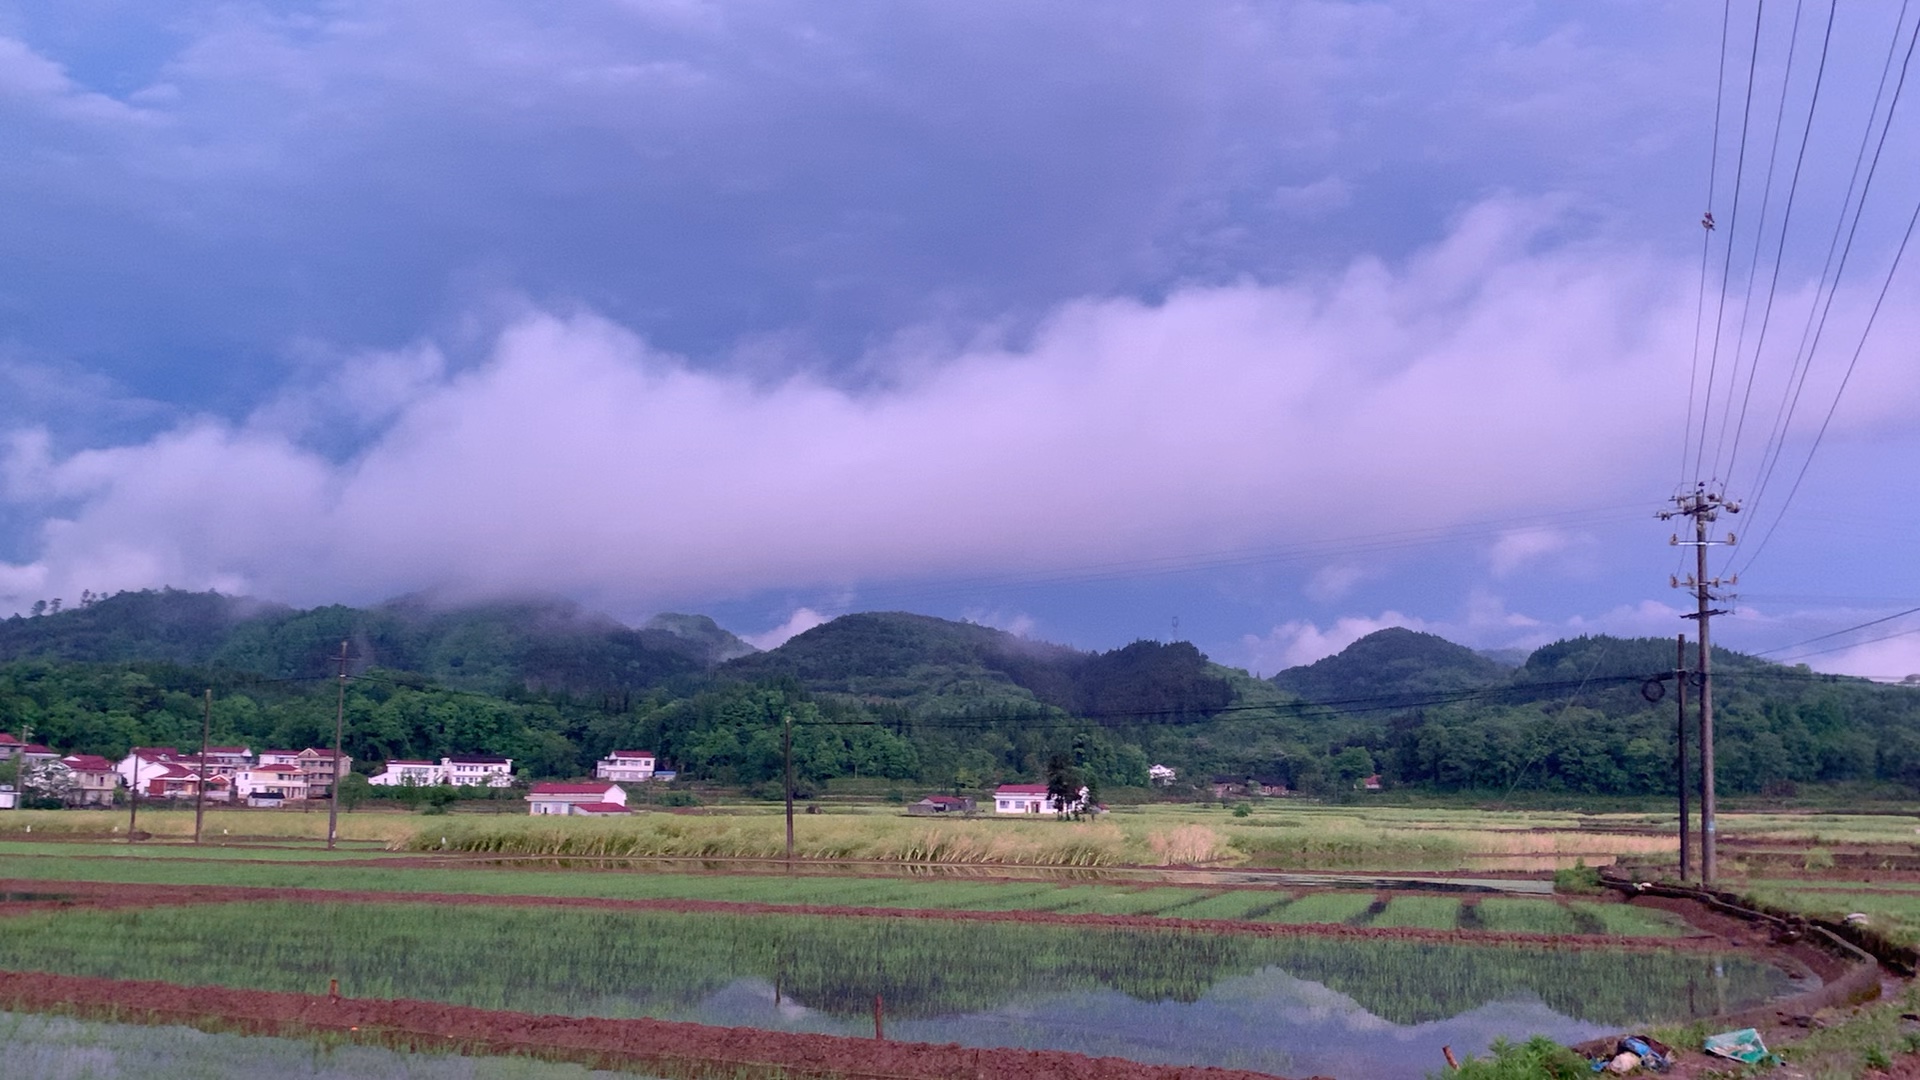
[
  {"x": 1704, "y": 508},
  {"x": 1680, "y": 749},
  {"x": 200, "y": 789},
  {"x": 339, "y": 730},
  {"x": 786, "y": 721}
]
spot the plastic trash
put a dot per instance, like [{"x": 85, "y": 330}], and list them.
[
  {"x": 1743, "y": 1046},
  {"x": 1624, "y": 1063}
]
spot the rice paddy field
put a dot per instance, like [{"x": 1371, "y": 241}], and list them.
[
  {"x": 1365, "y": 980},
  {"x": 64, "y": 1048},
  {"x": 1159, "y": 996}
]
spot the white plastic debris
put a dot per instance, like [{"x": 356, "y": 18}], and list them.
[{"x": 1623, "y": 1063}]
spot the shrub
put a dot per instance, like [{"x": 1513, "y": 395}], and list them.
[
  {"x": 1243, "y": 810},
  {"x": 1539, "y": 1058},
  {"x": 1578, "y": 878}
]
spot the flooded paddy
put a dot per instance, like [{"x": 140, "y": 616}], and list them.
[
  {"x": 1337, "y": 1005},
  {"x": 62, "y": 1048}
]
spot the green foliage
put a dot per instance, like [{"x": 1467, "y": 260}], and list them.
[
  {"x": 1578, "y": 878},
  {"x": 1242, "y": 810},
  {"x": 1539, "y": 1058},
  {"x": 922, "y": 702}
]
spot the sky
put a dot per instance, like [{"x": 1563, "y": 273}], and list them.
[{"x": 1260, "y": 325}]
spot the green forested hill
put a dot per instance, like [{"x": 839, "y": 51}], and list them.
[
  {"x": 921, "y": 700},
  {"x": 1389, "y": 663}
]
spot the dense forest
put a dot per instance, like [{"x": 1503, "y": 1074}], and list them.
[{"x": 916, "y": 699}]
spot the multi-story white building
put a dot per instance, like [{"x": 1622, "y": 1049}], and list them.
[
  {"x": 402, "y": 773},
  {"x": 478, "y": 771},
  {"x": 625, "y": 767}
]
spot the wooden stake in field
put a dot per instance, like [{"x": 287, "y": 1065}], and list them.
[{"x": 879, "y": 1018}]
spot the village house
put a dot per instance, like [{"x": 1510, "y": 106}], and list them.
[
  {"x": 10, "y": 747},
  {"x": 270, "y": 785},
  {"x": 143, "y": 763},
  {"x": 175, "y": 781},
  {"x": 1160, "y": 775},
  {"x": 93, "y": 781},
  {"x": 477, "y": 771},
  {"x": 226, "y": 760},
  {"x": 625, "y": 767},
  {"x": 941, "y": 804},
  {"x": 1031, "y": 799},
  {"x": 597, "y": 798},
  {"x": 403, "y": 773},
  {"x": 318, "y": 767},
  {"x": 279, "y": 757}
]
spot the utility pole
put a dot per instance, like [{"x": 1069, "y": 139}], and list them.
[
  {"x": 1680, "y": 747},
  {"x": 1704, "y": 508},
  {"x": 339, "y": 728},
  {"x": 786, "y": 720},
  {"x": 200, "y": 789},
  {"x": 133, "y": 798}
]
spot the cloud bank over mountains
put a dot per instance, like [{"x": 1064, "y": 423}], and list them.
[{"x": 783, "y": 304}]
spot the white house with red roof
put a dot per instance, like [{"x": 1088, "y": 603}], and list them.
[
  {"x": 625, "y": 767},
  {"x": 270, "y": 785},
  {"x": 1030, "y": 799},
  {"x": 144, "y": 763},
  {"x": 597, "y": 797},
  {"x": 9, "y": 746}
]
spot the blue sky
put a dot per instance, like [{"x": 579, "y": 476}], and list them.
[{"x": 1285, "y": 320}]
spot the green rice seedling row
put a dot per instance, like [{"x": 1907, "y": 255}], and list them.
[
  {"x": 682, "y": 966},
  {"x": 1516, "y": 915},
  {"x": 1325, "y": 907},
  {"x": 1423, "y": 912}
]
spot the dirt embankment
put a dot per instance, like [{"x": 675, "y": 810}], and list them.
[
  {"x": 662, "y": 1047},
  {"x": 116, "y": 895}
]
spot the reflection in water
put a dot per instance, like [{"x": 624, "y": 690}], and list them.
[{"x": 1268, "y": 1021}]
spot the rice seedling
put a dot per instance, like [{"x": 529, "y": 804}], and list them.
[
  {"x": 63, "y": 1047},
  {"x": 1526, "y": 916},
  {"x": 1423, "y": 912},
  {"x": 683, "y": 966},
  {"x": 1323, "y": 907}
]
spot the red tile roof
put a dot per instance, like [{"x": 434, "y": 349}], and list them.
[
  {"x": 570, "y": 789},
  {"x": 1021, "y": 789},
  {"x": 600, "y": 808},
  {"x": 631, "y": 753},
  {"x": 87, "y": 763}
]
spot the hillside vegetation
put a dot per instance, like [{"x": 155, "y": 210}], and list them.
[{"x": 918, "y": 700}]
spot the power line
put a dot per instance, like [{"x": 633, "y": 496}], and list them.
[
  {"x": 1786, "y": 219},
  {"x": 1827, "y": 283},
  {"x": 1733, "y": 233},
  {"x": 1706, "y": 235},
  {"x": 1837, "y": 633}
]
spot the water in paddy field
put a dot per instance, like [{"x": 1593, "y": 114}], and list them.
[
  {"x": 60, "y": 1048},
  {"x": 1346, "y": 1007},
  {"x": 1269, "y": 1020}
]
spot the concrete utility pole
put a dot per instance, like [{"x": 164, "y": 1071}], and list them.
[
  {"x": 200, "y": 789},
  {"x": 786, "y": 721},
  {"x": 1704, "y": 508},
  {"x": 1680, "y": 747},
  {"x": 339, "y": 729}
]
